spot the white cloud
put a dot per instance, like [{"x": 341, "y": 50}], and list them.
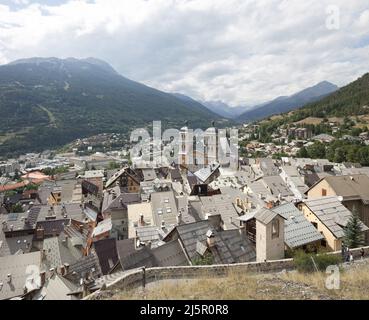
[{"x": 238, "y": 51}]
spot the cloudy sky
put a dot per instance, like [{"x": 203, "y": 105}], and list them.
[{"x": 239, "y": 51}]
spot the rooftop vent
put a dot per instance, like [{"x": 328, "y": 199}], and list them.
[{"x": 210, "y": 238}]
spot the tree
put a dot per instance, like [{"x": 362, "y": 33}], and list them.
[
  {"x": 317, "y": 150},
  {"x": 113, "y": 165},
  {"x": 16, "y": 174},
  {"x": 302, "y": 153},
  {"x": 354, "y": 237},
  {"x": 17, "y": 208},
  {"x": 339, "y": 155}
]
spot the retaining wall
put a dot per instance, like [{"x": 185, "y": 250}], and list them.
[{"x": 139, "y": 277}]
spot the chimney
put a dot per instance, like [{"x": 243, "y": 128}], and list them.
[
  {"x": 142, "y": 221},
  {"x": 40, "y": 233},
  {"x": 43, "y": 277},
  {"x": 52, "y": 271},
  {"x": 270, "y": 205},
  {"x": 210, "y": 238},
  {"x": 242, "y": 229},
  {"x": 179, "y": 218},
  {"x": 62, "y": 270},
  {"x": 43, "y": 255},
  {"x": 163, "y": 224},
  {"x": 80, "y": 227},
  {"x": 51, "y": 211},
  {"x": 9, "y": 278},
  {"x": 66, "y": 266}
]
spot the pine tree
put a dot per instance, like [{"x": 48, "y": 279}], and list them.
[{"x": 354, "y": 237}]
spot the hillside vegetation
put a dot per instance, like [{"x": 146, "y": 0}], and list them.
[
  {"x": 46, "y": 103},
  {"x": 351, "y": 100}
]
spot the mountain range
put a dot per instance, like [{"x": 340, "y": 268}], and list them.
[
  {"x": 288, "y": 103},
  {"x": 224, "y": 110},
  {"x": 47, "y": 102},
  {"x": 278, "y": 105},
  {"x": 350, "y": 100}
]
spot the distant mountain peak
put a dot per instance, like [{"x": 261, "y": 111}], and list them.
[
  {"x": 59, "y": 100},
  {"x": 58, "y": 61}
]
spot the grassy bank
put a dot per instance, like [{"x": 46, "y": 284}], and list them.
[{"x": 354, "y": 284}]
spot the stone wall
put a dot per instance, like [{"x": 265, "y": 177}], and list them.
[{"x": 135, "y": 278}]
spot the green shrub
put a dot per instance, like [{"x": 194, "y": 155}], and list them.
[
  {"x": 207, "y": 259},
  {"x": 304, "y": 261}
]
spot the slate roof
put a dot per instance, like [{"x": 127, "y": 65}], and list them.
[
  {"x": 53, "y": 227},
  {"x": 195, "y": 209},
  {"x": 230, "y": 246},
  {"x": 149, "y": 174},
  {"x": 134, "y": 175},
  {"x": 192, "y": 180},
  {"x": 22, "y": 221},
  {"x": 75, "y": 236},
  {"x": 170, "y": 254},
  {"x": 268, "y": 167},
  {"x": 107, "y": 253},
  {"x": 258, "y": 188},
  {"x": 148, "y": 233},
  {"x": 277, "y": 186},
  {"x": 85, "y": 265},
  {"x": 164, "y": 208},
  {"x": 332, "y": 213},
  {"x": 351, "y": 187},
  {"x": 265, "y": 215},
  {"x": 17, "y": 266},
  {"x": 12, "y": 245},
  {"x": 241, "y": 249},
  {"x": 118, "y": 200},
  {"x": 205, "y": 173},
  {"x": 58, "y": 253},
  {"x": 176, "y": 174},
  {"x": 104, "y": 226},
  {"x": 69, "y": 211},
  {"x": 52, "y": 253},
  {"x": 298, "y": 231},
  {"x": 221, "y": 204},
  {"x": 56, "y": 288},
  {"x": 130, "y": 258}
]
